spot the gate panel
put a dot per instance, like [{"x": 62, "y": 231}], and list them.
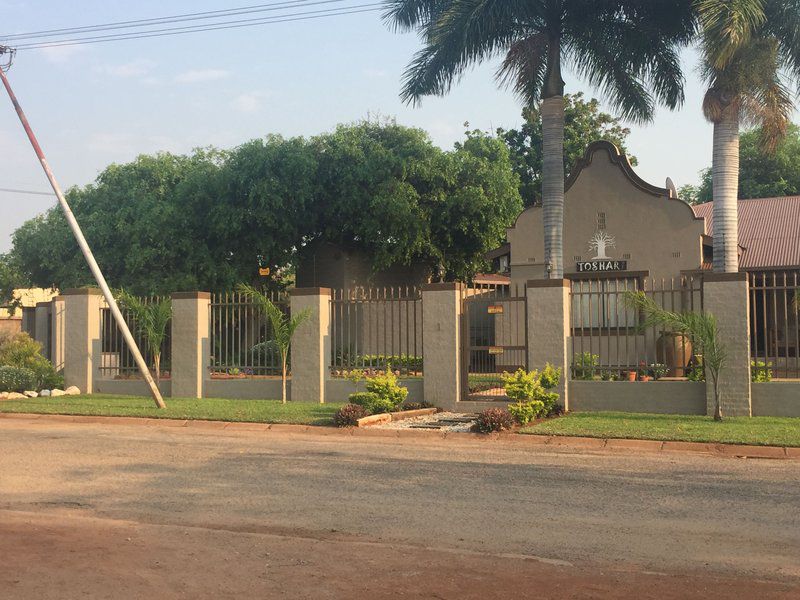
[{"x": 494, "y": 340}]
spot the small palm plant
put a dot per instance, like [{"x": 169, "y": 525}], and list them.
[
  {"x": 700, "y": 327},
  {"x": 150, "y": 320},
  {"x": 283, "y": 326}
]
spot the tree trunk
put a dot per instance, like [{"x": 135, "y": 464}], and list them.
[
  {"x": 717, "y": 403},
  {"x": 725, "y": 177},
  {"x": 157, "y": 367},
  {"x": 283, "y": 379},
  {"x": 553, "y": 184}
]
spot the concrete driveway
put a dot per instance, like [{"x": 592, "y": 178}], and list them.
[{"x": 126, "y": 511}]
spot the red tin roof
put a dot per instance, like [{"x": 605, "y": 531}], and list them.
[{"x": 769, "y": 230}]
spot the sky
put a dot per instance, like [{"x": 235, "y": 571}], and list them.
[{"x": 94, "y": 105}]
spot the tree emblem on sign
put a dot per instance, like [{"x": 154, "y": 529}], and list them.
[{"x": 600, "y": 242}]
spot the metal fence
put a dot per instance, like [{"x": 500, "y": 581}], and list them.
[
  {"x": 774, "y": 324},
  {"x": 116, "y": 359},
  {"x": 376, "y": 328},
  {"x": 608, "y": 340},
  {"x": 495, "y": 339},
  {"x": 242, "y": 342}
]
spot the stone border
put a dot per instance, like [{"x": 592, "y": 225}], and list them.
[
  {"x": 382, "y": 418},
  {"x": 512, "y": 439}
]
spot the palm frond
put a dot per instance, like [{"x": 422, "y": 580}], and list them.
[
  {"x": 150, "y": 319},
  {"x": 524, "y": 67},
  {"x": 727, "y": 26},
  {"x": 406, "y": 15}
]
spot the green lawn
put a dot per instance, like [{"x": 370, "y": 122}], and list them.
[
  {"x": 762, "y": 431},
  {"x": 210, "y": 409}
]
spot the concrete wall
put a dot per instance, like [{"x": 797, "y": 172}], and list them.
[
  {"x": 338, "y": 390},
  {"x": 129, "y": 387},
  {"x": 245, "y": 389},
  {"x": 10, "y": 326},
  {"x": 660, "y": 397},
  {"x": 661, "y": 234},
  {"x": 776, "y": 399}
]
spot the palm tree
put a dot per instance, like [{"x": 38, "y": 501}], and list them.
[
  {"x": 628, "y": 48},
  {"x": 283, "y": 326},
  {"x": 751, "y": 49},
  {"x": 150, "y": 319},
  {"x": 701, "y": 327}
]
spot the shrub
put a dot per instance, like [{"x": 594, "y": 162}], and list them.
[
  {"x": 348, "y": 415},
  {"x": 372, "y": 402},
  {"x": 21, "y": 350},
  {"x": 550, "y": 377},
  {"x": 416, "y": 405},
  {"x": 760, "y": 371},
  {"x": 493, "y": 419},
  {"x": 584, "y": 365},
  {"x": 525, "y": 412},
  {"x": 16, "y": 379},
  {"x": 522, "y": 385},
  {"x": 385, "y": 386}
]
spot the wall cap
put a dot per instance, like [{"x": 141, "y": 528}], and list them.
[
  {"x": 447, "y": 286},
  {"x": 547, "y": 283},
  {"x": 191, "y": 295},
  {"x": 42, "y": 304},
  {"x": 310, "y": 291},
  {"x": 719, "y": 277},
  {"x": 82, "y": 292}
]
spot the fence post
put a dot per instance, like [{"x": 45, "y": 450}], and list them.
[
  {"x": 441, "y": 323},
  {"x": 549, "y": 329},
  {"x": 311, "y": 345},
  {"x": 82, "y": 351},
  {"x": 191, "y": 347},
  {"x": 41, "y": 328},
  {"x": 727, "y": 297}
]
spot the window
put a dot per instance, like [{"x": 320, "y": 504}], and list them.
[
  {"x": 599, "y": 304},
  {"x": 601, "y": 221}
]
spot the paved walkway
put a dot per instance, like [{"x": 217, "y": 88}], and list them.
[{"x": 182, "y": 512}]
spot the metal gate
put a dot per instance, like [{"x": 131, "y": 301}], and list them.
[{"x": 494, "y": 340}]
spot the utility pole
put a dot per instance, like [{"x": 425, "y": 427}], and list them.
[{"x": 76, "y": 230}]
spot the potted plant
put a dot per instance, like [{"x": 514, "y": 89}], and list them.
[{"x": 632, "y": 375}]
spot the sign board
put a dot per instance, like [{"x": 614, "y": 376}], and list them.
[
  {"x": 495, "y": 309},
  {"x": 496, "y": 350},
  {"x": 601, "y": 266}
]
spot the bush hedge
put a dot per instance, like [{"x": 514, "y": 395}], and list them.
[{"x": 16, "y": 379}]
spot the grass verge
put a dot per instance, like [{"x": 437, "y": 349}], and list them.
[
  {"x": 758, "y": 431},
  {"x": 208, "y": 409}
]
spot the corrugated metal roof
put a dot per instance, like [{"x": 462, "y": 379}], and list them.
[{"x": 769, "y": 230}]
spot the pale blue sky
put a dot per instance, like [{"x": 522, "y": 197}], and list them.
[{"x": 97, "y": 104}]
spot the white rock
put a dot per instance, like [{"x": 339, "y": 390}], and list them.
[
  {"x": 16, "y": 396},
  {"x": 44, "y": 393},
  {"x": 30, "y": 394},
  {"x": 3, "y": 395},
  {"x": 72, "y": 391},
  {"x": 57, "y": 392}
]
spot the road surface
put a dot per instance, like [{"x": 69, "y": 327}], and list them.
[{"x": 118, "y": 511}]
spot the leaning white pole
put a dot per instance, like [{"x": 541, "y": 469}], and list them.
[{"x": 87, "y": 253}]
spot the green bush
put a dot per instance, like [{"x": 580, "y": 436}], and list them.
[
  {"x": 21, "y": 350},
  {"x": 760, "y": 371},
  {"x": 16, "y": 379},
  {"x": 348, "y": 415},
  {"x": 372, "y": 403},
  {"x": 584, "y": 365},
  {"x": 550, "y": 377},
  {"x": 525, "y": 412},
  {"x": 522, "y": 385},
  {"x": 385, "y": 386},
  {"x": 493, "y": 419}
]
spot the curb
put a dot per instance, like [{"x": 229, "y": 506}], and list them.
[{"x": 511, "y": 439}]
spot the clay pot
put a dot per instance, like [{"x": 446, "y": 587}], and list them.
[
  {"x": 645, "y": 378},
  {"x": 631, "y": 375},
  {"x": 675, "y": 351}
]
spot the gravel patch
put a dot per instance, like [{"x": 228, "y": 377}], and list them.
[{"x": 443, "y": 421}]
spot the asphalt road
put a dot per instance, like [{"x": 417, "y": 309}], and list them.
[{"x": 599, "y": 523}]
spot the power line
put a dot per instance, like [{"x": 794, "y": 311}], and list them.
[
  {"x": 213, "y": 14},
  {"x": 302, "y": 16},
  {"x": 14, "y": 191}
]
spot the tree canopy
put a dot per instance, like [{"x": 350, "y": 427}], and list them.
[
  {"x": 762, "y": 174},
  {"x": 166, "y": 223},
  {"x": 584, "y": 123}
]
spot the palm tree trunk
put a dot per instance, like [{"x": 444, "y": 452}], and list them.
[
  {"x": 553, "y": 184},
  {"x": 283, "y": 379},
  {"x": 157, "y": 367},
  {"x": 725, "y": 177},
  {"x": 717, "y": 403}
]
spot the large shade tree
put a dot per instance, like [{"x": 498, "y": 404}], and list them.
[
  {"x": 751, "y": 51},
  {"x": 627, "y": 48}
]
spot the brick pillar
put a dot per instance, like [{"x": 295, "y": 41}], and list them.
[
  {"x": 726, "y": 296},
  {"x": 549, "y": 329},
  {"x": 41, "y": 328},
  {"x": 82, "y": 354},
  {"x": 441, "y": 323},
  {"x": 191, "y": 347},
  {"x": 311, "y": 345},
  {"x": 57, "y": 333}
]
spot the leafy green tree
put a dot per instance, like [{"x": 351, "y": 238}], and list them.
[
  {"x": 628, "y": 48},
  {"x": 751, "y": 52},
  {"x": 584, "y": 123},
  {"x": 11, "y": 278},
  {"x": 150, "y": 319},
  {"x": 283, "y": 326}
]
